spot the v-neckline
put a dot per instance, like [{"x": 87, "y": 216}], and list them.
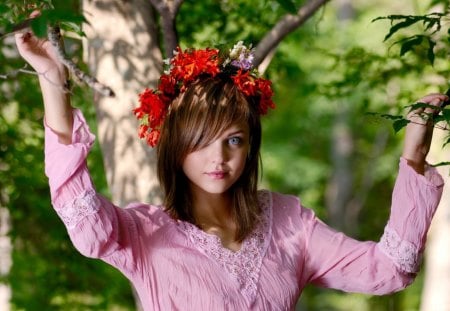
[{"x": 244, "y": 264}]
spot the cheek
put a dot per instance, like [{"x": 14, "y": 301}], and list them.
[
  {"x": 187, "y": 163},
  {"x": 241, "y": 161},
  {"x": 192, "y": 163}
]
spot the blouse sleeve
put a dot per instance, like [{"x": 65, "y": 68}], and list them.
[
  {"x": 96, "y": 227},
  {"x": 337, "y": 261}
]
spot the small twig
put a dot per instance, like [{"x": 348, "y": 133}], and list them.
[
  {"x": 14, "y": 73},
  {"x": 17, "y": 28},
  {"x": 54, "y": 37}
]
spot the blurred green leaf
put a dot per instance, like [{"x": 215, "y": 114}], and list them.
[
  {"x": 420, "y": 105},
  {"x": 409, "y": 43},
  {"x": 3, "y": 9},
  {"x": 408, "y": 21},
  {"x": 391, "y": 117},
  {"x": 430, "y": 51},
  {"x": 62, "y": 15},
  {"x": 288, "y": 5},
  {"x": 447, "y": 141},
  {"x": 399, "y": 124},
  {"x": 39, "y": 26},
  {"x": 441, "y": 163}
]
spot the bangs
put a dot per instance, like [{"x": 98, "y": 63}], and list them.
[{"x": 208, "y": 108}]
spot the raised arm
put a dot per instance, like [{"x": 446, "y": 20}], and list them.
[
  {"x": 40, "y": 54},
  {"x": 420, "y": 131},
  {"x": 340, "y": 262}
]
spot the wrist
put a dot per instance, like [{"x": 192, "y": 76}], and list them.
[
  {"x": 417, "y": 165},
  {"x": 55, "y": 77}
]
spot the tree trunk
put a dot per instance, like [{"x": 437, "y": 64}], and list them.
[
  {"x": 340, "y": 186},
  {"x": 5, "y": 258},
  {"x": 122, "y": 51},
  {"x": 435, "y": 294}
]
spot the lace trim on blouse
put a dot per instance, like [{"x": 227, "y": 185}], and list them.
[
  {"x": 405, "y": 255},
  {"x": 73, "y": 211},
  {"x": 245, "y": 264}
]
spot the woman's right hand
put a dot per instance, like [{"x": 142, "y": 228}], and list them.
[
  {"x": 39, "y": 53},
  {"x": 43, "y": 57}
]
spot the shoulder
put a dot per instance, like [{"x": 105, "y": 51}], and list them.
[
  {"x": 148, "y": 213},
  {"x": 285, "y": 205}
]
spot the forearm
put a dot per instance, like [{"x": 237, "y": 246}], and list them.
[
  {"x": 415, "y": 159},
  {"x": 419, "y": 131},
  {"x": 58, "y": 110}
]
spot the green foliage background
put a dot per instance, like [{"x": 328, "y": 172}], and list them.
[{"x": 330, "y": 66}]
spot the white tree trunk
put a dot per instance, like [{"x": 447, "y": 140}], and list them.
[
  {"x": 436, "y": 291},
  {"x": 5, "y": 258},
  {"x": 122, "y": 51}
]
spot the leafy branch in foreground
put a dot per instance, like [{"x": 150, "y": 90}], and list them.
[
  {"x": 50, "y": 22},
  {"x": 432, "y": 25},
  {"x": 440, "y": 118}
]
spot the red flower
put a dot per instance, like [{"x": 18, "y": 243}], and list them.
[
  {"x": 265, "y": 89},
  {"x": 152, "y": 106},
  {"x": 143, "y": 129},
  {"x": 264, "y": 86},
  {"x": 188, "y": 65},
  {"x": 167, "y": 85},
  {"x": 245, "y": 82},
  {"x": 152, "y": 137},
  {"x": 185, "y": 67}
]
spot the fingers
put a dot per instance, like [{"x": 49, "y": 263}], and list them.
[
  {"x": 434, "y": 102},
  {"x": 26, "y": 41},
  {"x": 35, "y": 13}
]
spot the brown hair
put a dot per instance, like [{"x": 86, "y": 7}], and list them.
[{"x": 194, "y": 119}]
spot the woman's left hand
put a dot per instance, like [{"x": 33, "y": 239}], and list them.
[{"x": 419, "y": 131}]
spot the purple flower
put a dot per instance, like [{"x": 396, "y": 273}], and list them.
[
  {"x": 245, "y": 60},
  {"x": 241, "y": 56}
]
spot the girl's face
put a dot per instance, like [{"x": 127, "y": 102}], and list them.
[{"x": 216, "y": 167}]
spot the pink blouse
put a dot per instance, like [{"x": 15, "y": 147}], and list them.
[{"x": 176, "y": 266}]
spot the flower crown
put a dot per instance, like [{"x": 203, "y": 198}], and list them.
[{"x": 185, "y": 68}]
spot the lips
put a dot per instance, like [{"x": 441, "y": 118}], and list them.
[{"x": 217, "y": 174}]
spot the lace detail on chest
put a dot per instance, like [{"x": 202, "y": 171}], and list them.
[
  {"x": 73, "y": 211},
  {"x": 245, "y": 264},
  {"x": 405, "y": 255}
]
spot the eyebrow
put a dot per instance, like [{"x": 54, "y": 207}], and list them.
[{"x": 239, "y": 131}]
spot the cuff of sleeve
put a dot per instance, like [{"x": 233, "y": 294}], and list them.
[
  {"x": 404, "y": 254},
  {"x": 414, "y": 201},
  {"x": 431, "y": 176},
  {"x": 62, "y": 161},
  {"x": 75, "y": 210}
]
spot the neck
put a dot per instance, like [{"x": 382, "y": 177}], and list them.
[
  {"x": 213, "y": 214},
  {"x": 212, "y": 210}
]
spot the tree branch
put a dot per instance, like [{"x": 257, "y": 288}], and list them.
[
  {"x": 54, "y": 37},
  {"x": 168, "y": 10},
  {"x": 285, "y": 26}
]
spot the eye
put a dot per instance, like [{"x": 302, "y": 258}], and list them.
[{"x": 235, "y": 141}]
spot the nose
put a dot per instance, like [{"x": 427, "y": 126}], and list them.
[{"x": 218, "y": 152}]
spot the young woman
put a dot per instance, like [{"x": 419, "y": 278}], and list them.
[{"x": 218, "y": 243}]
